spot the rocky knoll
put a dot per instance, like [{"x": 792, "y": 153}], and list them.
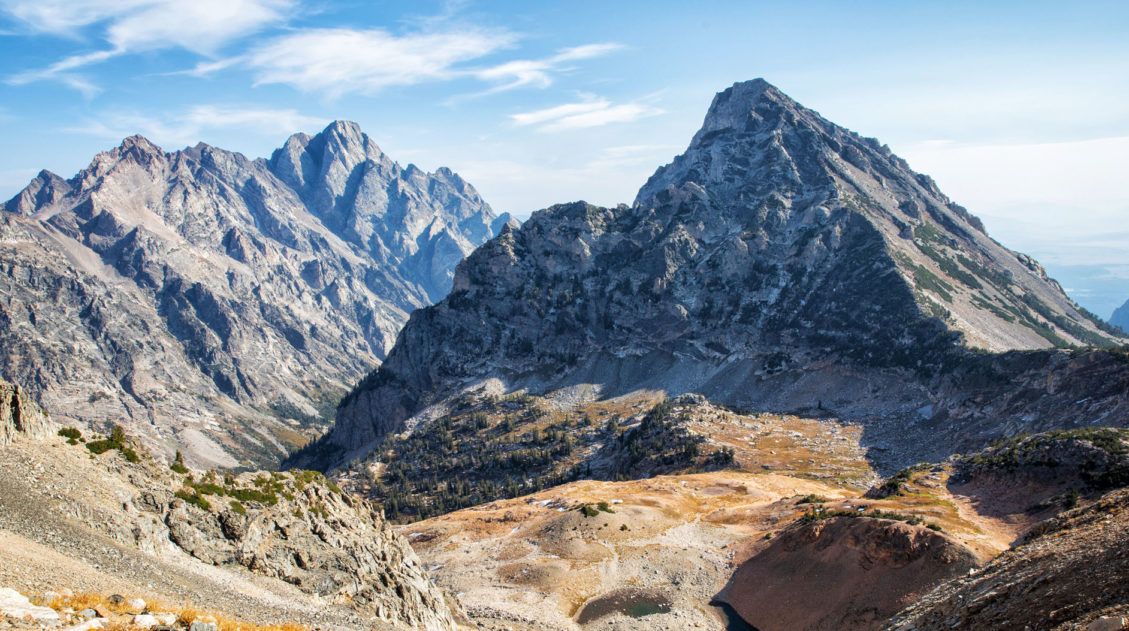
[
  {"x": 842, "y": 573},
  {"x": 95, "y": 514},
  {"x": 19, "y": 415},
  {"x": 782, "y": 263},
  {"x": 218, "y": 303},
  {"x": 309, "y": 534}
]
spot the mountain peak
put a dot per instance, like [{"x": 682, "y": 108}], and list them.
[
  {"x": 344, "y": 127},
  {"x": 139, "y": 143},
  {"x": 732, "y": 107}
]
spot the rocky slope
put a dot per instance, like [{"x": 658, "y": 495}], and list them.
[
  {"x": 78, "y": 514},
  {"x": 1120, "y": 317},
  {"x": 781, "y": 263},
  {"x": 218, "y": 303},
  {"x": 1069, "y": 573}
]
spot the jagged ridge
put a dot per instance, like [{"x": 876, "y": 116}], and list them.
[
  {"x": 781, "y": 262},
  {"x": 201, "y": 296}
]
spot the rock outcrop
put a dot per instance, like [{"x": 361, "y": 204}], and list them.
[
  {"x": 843, "y": 573},
  {"x": 782, "y": 263},
  {"x": 1069, "y": 573},
  {"x": 317, "y": 538},
  {"x": 218, "y": 303},
  {"x": 20, "y": 416},
  {"x": 262, "y": 546}
]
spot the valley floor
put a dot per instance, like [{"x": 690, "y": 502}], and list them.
[{"x": 593, "y": 554}]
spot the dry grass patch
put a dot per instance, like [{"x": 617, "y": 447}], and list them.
[{"x": 119, "y": 616}]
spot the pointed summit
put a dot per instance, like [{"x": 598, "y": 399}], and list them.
[
  {"x": 779, "y": 263},
  {"x": 45, "y": 189},
  {"x": 733, "y": 107}
]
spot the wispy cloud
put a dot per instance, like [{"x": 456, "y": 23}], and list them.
[
  {"x": 187, "y": 127},
  {"x": 130, "y": 26},
  {"x": 539, "y": 72},
  {"x": 589, "y": 112},
  {"x": 339, "y": 61}
]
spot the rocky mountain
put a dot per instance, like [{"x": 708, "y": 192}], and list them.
[
  {"x": 781, "y": 263},
  {"x": 1120, "y": 317},
  {"x": 219, "y": 303}
]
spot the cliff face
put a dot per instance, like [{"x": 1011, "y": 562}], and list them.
[
  {"x": 781, "y": 263},
  {"x": 20, "y": 416},
  {"x": 221, "y": 304}
]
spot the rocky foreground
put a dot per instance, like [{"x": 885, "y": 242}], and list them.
[{"x": 98, "y": 515}]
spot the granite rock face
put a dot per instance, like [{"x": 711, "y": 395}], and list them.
[
  {"x": 221, "y": 304},
  {"x": 321, "y": 540},
  {"x": 20, "y": 416},
  {"x": 781, "y": 263}
]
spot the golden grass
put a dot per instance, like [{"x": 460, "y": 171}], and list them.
[{"x": 185, "y": 614}]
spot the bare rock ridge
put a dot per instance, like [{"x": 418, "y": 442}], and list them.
[
  {"x": 781, "y": 263},
  {"x": 220, "y": 303},
  {"x": 19, "y": 415}
]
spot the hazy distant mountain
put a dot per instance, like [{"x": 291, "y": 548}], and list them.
[
  {"x": 1121, "y": 317},
  {"x": 781, "y": 262},
  {"x": 203, "y": 297}
]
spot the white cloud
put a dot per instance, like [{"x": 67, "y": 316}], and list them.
[
  {"x": 590, "y": 112},
  {"x": 339, "y": 61},
  {"x": 560, "y": 111},
  {"x": 130, "y": 26},
  {"x": 65, "y": 17},
  {"x": 187, "y": 127},
  {"x": 538, "y": 72}
]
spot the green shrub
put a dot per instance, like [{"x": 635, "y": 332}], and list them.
[
  {"x": 100, "y": 447},
  {"x": 71, "y": 434},
  {"x": 178, "y": 463},
  {"x": 238, "y": 507},
  {"x": 190, "y": 496}
]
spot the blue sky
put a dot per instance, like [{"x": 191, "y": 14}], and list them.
[{"x": 1020, "y": 110}]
